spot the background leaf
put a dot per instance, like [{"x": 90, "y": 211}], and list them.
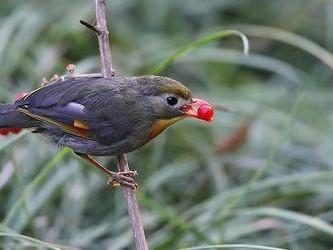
[{"x": 273, "y": 189}]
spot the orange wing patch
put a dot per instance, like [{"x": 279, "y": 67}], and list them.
[
  {"x": 81, "y": 130},
  {"x": 81, "y": 125}
]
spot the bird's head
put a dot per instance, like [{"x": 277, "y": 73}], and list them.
[{"x": 171, "y": 101}]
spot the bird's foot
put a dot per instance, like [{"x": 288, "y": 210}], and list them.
[
  {"x": 115, "y": 178},
  {"x": 123, "y": 178}
]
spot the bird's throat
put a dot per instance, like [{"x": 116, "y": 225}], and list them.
[{"x": 162, "y": 124}]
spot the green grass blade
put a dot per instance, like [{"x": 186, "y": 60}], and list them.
[
  {"x": 172, "y": 217},
  {"x": 13, "y": 140},
  {"x": 287, "y": 37},
  {"x": 34, "y": 184},
  {"x": 36, "y": 242},
  {"x": 233, "y": 246},
  {"x": 255, "y": 61},
  {"x": 295, "y": 179},
  {"x": 198, "y": 43},
  {"x": 300, "y": 218},
  {"x": 270, "y": 158}
]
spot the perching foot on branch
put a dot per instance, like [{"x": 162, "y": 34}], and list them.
[
  {"x": 115, "y": 179},
  {"x": 123, "y": 178}
]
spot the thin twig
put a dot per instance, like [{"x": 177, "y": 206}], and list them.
[
  {"x": 107, "y": 70},
  {"x": 92, "y": 27},
  {"x": 132, "y": 208},
  {"x": 103, "y": 39}
]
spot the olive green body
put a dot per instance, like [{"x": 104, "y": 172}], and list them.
[{"x": 99, "y": 116}]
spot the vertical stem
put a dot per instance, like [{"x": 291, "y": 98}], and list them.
[
  {"x": 132, "y": 208},
  {"x": 122, "y": 163},
  {"x": 103, "y": 39}
]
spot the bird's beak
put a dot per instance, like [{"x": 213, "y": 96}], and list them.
[{"x": 199, "y": 109}]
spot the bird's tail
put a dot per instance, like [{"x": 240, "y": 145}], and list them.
[{"x": 11, "y": 118}]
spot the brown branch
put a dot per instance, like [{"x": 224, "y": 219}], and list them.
[
  {"x": 132, "y": 208},
  {"x": 107, "y": 70},
  {"x": 103, "y": 39},
  {"x": 91, "y": 27}
]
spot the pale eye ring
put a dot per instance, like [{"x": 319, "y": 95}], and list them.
[{"x": 172, "y": 101}]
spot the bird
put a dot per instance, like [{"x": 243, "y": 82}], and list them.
[{"x": 104, "y": 116}]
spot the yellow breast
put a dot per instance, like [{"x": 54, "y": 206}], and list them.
[{"x": 160, "y": 125}]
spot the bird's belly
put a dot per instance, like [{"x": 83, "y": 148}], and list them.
[
  {"x": 122, "y": 146},
  {"x": 91, "y": 147}
]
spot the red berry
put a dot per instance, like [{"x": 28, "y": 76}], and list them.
[
  {"x": 206, "y": 113},
  {"x": 20, "y": 95},
  {"x": 4, "y": 131},
  {"x": 15, "y": 130}
]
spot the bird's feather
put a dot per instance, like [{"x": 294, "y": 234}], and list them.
[
  {"x": 70, "y": 129},
  {"x": 99, "y": 109}
]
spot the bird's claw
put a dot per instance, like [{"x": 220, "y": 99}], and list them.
[
  {"x": 129, "y": 173},
  {"x": 123, "y": 178}
]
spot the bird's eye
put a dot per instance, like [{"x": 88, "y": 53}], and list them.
[{"x": 172, "y": 101}]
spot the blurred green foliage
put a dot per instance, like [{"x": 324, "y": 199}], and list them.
[{"x": 269, "y": 184}]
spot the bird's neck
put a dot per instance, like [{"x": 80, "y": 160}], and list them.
[{"x": 162, "y": 124}]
